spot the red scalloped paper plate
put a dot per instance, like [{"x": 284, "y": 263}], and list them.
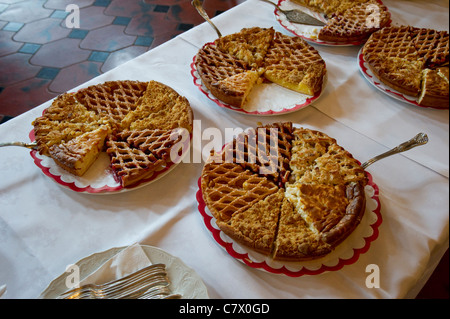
[
  {"x": 372, "y": 79},
  {"x": 99, "y": 179},
  {"x": 307, "y": 32},
  {"x": 346, "y": 253},
  {"x": 266, "y": 99}
]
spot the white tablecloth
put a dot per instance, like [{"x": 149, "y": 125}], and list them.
[{"x": 44, "y": 227}]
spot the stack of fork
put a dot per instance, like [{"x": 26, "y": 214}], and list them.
[{"x": 151, "y": 282}]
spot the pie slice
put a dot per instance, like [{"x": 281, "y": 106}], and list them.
[
  {"x": 354, "y": 23},
  {"x": 249, "y": 45},
  {"x": 295, "y": 240},
  {"x": 235, "y": 89},
  {"x": 160, "y": 143},
  {"x": 78, "y": 154},
  {"x": 256, "y": 227},
  {"x": 215, "y": 67},
  {"x": 64, "y": 120},
  {"x": 159, "y": 107},
  {"x": 432, "y": 45},
  {"x": 112, "y": 100},
  {"x": 131, "y": 165},
  {"x": 294, "y": 64},
  {"x": 317, "y": 158},
  {"x": 265, "y": 151},
  {"x": 229, "y": 189},
  {"x": 435, "y": 87}
]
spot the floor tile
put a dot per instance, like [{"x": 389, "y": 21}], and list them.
[
  {"x": 78, "y": 33},
  {"x": 102, "y": 3},
  {"x": 59, "y": 14},
  {"x": 109, "y": 38},
  {"x": 98, "y": 56},
  {"x": 42, "y": 31},
  {"x": 47, "y": 73},
  {"x": 93, "y": 17},
  {"x": 26, "y": 11},
  {"x": 13, "y": 26},
  {"x": 29, "y": 48},
  {"x": 3, "y": 7},
  {"x": 121, "y": 20},
  {"x": 23, "y": 96},
  {"x": 19, "y": 69},
  {"x": 150, "y": 24},
  {"x": 60, "y": 53},
  {"x": 144, "y": 41},
  {"x": 128, "y": 8},
  {"x": 62, "y": 4},
  {"x": 7, "y": 45}
]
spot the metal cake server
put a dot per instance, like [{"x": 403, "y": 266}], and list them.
[
  {"x": 419, "y": 139},
  {"x": 298, "y": 16},
  {"x": 198, "y": 5},
  {"x": 32, "y": 145}
]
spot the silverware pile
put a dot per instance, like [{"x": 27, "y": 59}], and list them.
[{"x": 151, "y": 282}]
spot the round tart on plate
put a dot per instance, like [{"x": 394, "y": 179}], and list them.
[
  {"x": 136, "y": 123},
  {"x": 413, "y": 61},
  {"x": 289, "y": 193},
  {"x": 235, "y": 64},
  {"x": 347, "y": 22}
]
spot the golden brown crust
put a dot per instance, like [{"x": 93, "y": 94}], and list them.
[
  {"x": 320, "y": 207},
  {"x": 435, "y": 88},
  {"x": 292, "y": 63},
  {"x": 351, "y": 25},
  {"x": 160, "y": 107},
  {"x": 295, "y": 241},
  {"x": 78, "y": 154},
  {"x": 249, "y": 45},
  {"x": 232, "y": 66},
  {"x": 257, "y": 226},
  {"x": 68, "y": 127},
  {"x": 407, "y": 59}
]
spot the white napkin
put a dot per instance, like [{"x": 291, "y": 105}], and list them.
[{"x": 126, "y": 262}]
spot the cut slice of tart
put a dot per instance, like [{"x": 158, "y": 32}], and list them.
[
  {"x": 295, "y": 240},
  {"x": 256, "y": 227},
  {"x": 435, "y": 88},
  {"x": 78, "y": 154},
  {"x": 235, "y": 89},
  {"x": 249, "y": 45},
  {"x": 294, "y": 64}
]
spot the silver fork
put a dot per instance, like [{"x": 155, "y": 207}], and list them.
[{"x": 126, "y": 287}]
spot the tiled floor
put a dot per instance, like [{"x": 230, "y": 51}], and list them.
[{"x": 42, "y": 54}]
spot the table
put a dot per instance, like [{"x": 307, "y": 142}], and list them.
[{"x": 44, "y": 228}]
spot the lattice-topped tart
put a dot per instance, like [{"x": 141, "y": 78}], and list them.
[
  {"x": 233, "y": 65},
  {"x": 136, "y": 123},
  {"x": 413, "y": 61},
  {"x": 298, "y": 211}
]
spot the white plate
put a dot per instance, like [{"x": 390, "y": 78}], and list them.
[
  {"x": 184, "y": 280},
  {"x": 99, "y": 179},
  {"x": 307, "y": 32},
  {"x": 265, "y": 99}
]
